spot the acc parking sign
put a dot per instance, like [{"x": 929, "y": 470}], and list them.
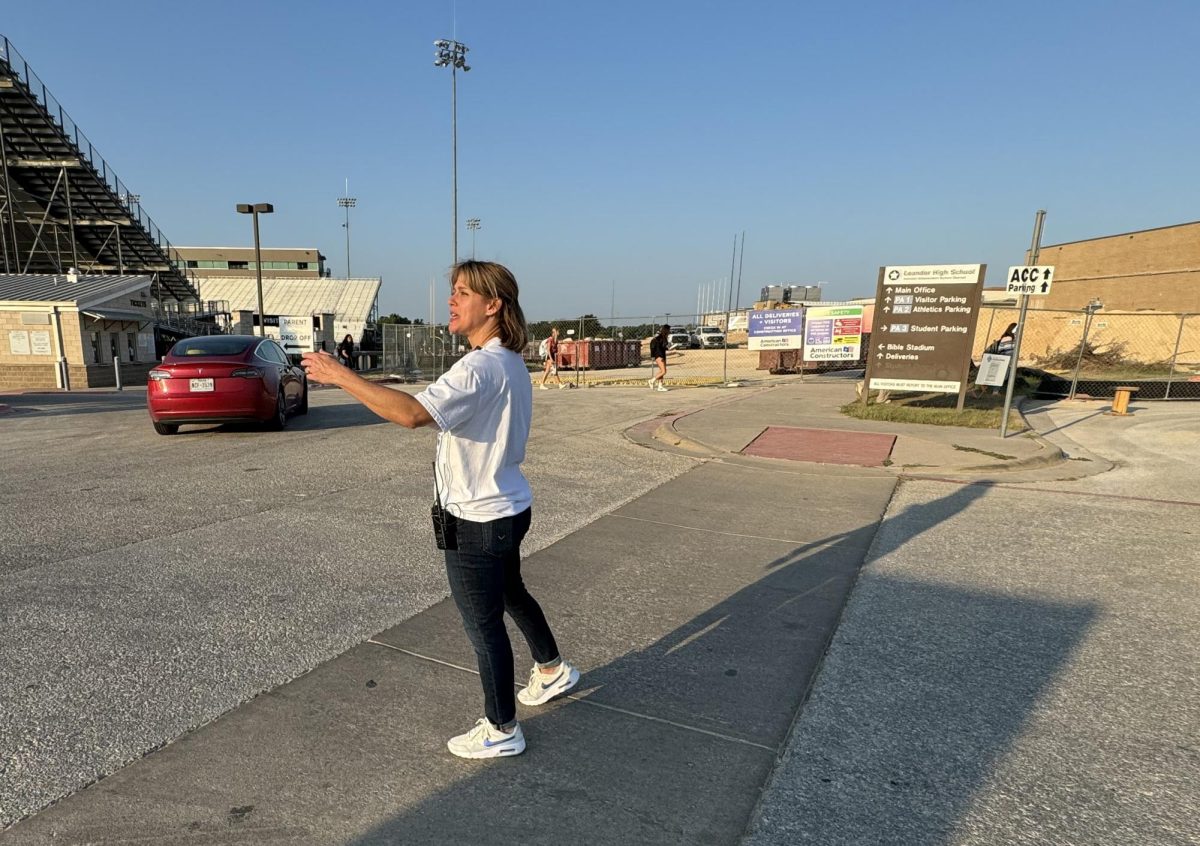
[{"x": 1031, "y": 280}]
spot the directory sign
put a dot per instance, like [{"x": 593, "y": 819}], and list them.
[
  {"x": 777, "y": 329},
  {"x": 925, "y": 318},
  {"x": 833, "y": 333}
]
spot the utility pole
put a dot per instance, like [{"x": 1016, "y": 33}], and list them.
[{"x": 1035, "y": 247}]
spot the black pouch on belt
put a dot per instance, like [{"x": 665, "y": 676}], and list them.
[
  {"x": 445, "y": 524},
  {"x": 445, "y": 527}
]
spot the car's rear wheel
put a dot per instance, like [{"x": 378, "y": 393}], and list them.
[
  {"x": 303, "y": 407},
  {"x": 166, "y": 428},
  {"x": 279, "y": 419}
]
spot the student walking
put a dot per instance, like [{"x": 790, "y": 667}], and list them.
[
  {"x": 658, "y": 352},
  {"x": 482, "y": 509},
  {"x": 549, "y": 351}
]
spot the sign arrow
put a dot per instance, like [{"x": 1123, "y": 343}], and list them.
[
  {"x": 887, "y": 299},
  {"x": 886, "y": 308},
  {"x": 1045, "y": 287}
]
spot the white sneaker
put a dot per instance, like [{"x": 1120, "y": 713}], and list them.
[
  {"x": 562, "y": 385},
  {"x": 650, "y": 382},
  {"x": 662, "y": 388},
  {"x": 487, "y": 741},
  {"x": 543, "y": 687}
]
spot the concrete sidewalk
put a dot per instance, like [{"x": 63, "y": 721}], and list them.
[
  {"x": 699, "y": 614},
  {"x": 697, "y": 623}
]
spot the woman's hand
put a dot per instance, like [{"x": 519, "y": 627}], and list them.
[{"x": 324, "y": 369}]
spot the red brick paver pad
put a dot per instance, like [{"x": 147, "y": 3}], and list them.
[{"x": 824, "y": 446}]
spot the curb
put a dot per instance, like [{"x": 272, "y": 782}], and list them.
[{"x": 1051, "y": 454}]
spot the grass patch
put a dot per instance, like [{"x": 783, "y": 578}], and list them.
[{"x": 979, "y": 412}]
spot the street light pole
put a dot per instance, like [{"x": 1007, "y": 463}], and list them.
[
  {"x": 473, "y": 225},
  {"x": 454, "y": 54},
  {"x": 347, "y": 202},
  {"x": 256, "y": 209}
]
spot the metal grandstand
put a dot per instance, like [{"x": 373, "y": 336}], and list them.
[{"x": 62, "y": 206}]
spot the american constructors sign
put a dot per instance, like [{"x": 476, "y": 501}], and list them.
[{"x": 925, "y": 318}]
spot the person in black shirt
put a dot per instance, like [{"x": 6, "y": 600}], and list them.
[
  {"x": 345, "y": 351},
  {"x": 658, "y": 352}
]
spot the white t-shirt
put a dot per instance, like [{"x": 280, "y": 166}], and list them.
[{"x": 482, "y": 405}]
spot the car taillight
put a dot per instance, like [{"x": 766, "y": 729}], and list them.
[
  {"x": 247, "y": 373},
  {"x": 159, "y": 374}
]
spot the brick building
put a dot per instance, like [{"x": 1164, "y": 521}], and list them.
[
  {"x": 63, "y": 331},
  {"x": 1153, "y": 269}
]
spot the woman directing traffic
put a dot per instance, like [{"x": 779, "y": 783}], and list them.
[{"x": 482, "y": 408}]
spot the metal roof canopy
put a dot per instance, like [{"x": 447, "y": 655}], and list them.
[
  {"x": 350, "y": 299},
  {"x": 57, "y": 288}
]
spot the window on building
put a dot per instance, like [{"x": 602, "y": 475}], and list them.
[
  {"x": 302, "y": 265},
  {"x": 95, "y": 347},
  {"x": 131, "y": 344},
  {"x": 193, "y": 263},
  {"x": 114, "y": 346},
  {"x": 239, "y": 265}
]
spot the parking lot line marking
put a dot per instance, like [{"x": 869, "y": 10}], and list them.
[{"x": 585, "y": 701}]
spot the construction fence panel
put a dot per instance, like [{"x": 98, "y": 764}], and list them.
[
  {"x": 616, "y": 350},
  {"x": 419, "y": 352},
  {"x": 1081, "y": 353}
]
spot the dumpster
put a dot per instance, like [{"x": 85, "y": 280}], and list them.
[{"x": 598, "y": 354}]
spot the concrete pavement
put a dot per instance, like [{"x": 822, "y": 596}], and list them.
[{"x": 969, "y": 662}]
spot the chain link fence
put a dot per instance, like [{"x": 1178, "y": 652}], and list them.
[
  {"x": 700, "y": 351},
  {"x": 615, "y": 351},
  {"x": 1063, "y": 353},
  {"x": 419, "y": 352},
  {"x": 1090, "y": 352}
]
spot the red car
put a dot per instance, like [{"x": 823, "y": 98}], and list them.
[{"x": 221, "y": 378}]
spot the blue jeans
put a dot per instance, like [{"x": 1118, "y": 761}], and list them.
[{"x": 485, "y": 581}]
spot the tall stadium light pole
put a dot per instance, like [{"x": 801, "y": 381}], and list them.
[
  {"x": 256, "y": 209},
  {"x": 473, "y": 225},
  {"x": 453, "y": 54},
  {"x": 347, "y": 202}
]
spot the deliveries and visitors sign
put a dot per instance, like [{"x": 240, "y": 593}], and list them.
[
  {"x": 833, "y": 333},
  {"x": 780, "y": 329},
  {"x": 925, "y": 319}
]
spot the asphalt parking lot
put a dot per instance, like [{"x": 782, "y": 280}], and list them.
[{"x": 150, "y": 584}]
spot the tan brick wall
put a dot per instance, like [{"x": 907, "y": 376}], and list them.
[
  {"x": 1156, "y": 269},
  {"x": 26, "y": 376}
]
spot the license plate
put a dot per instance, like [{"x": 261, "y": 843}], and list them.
[{"x": 200, "y": 384}]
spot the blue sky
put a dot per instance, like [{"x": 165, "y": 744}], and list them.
[{"x": 621, "y": 145}]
